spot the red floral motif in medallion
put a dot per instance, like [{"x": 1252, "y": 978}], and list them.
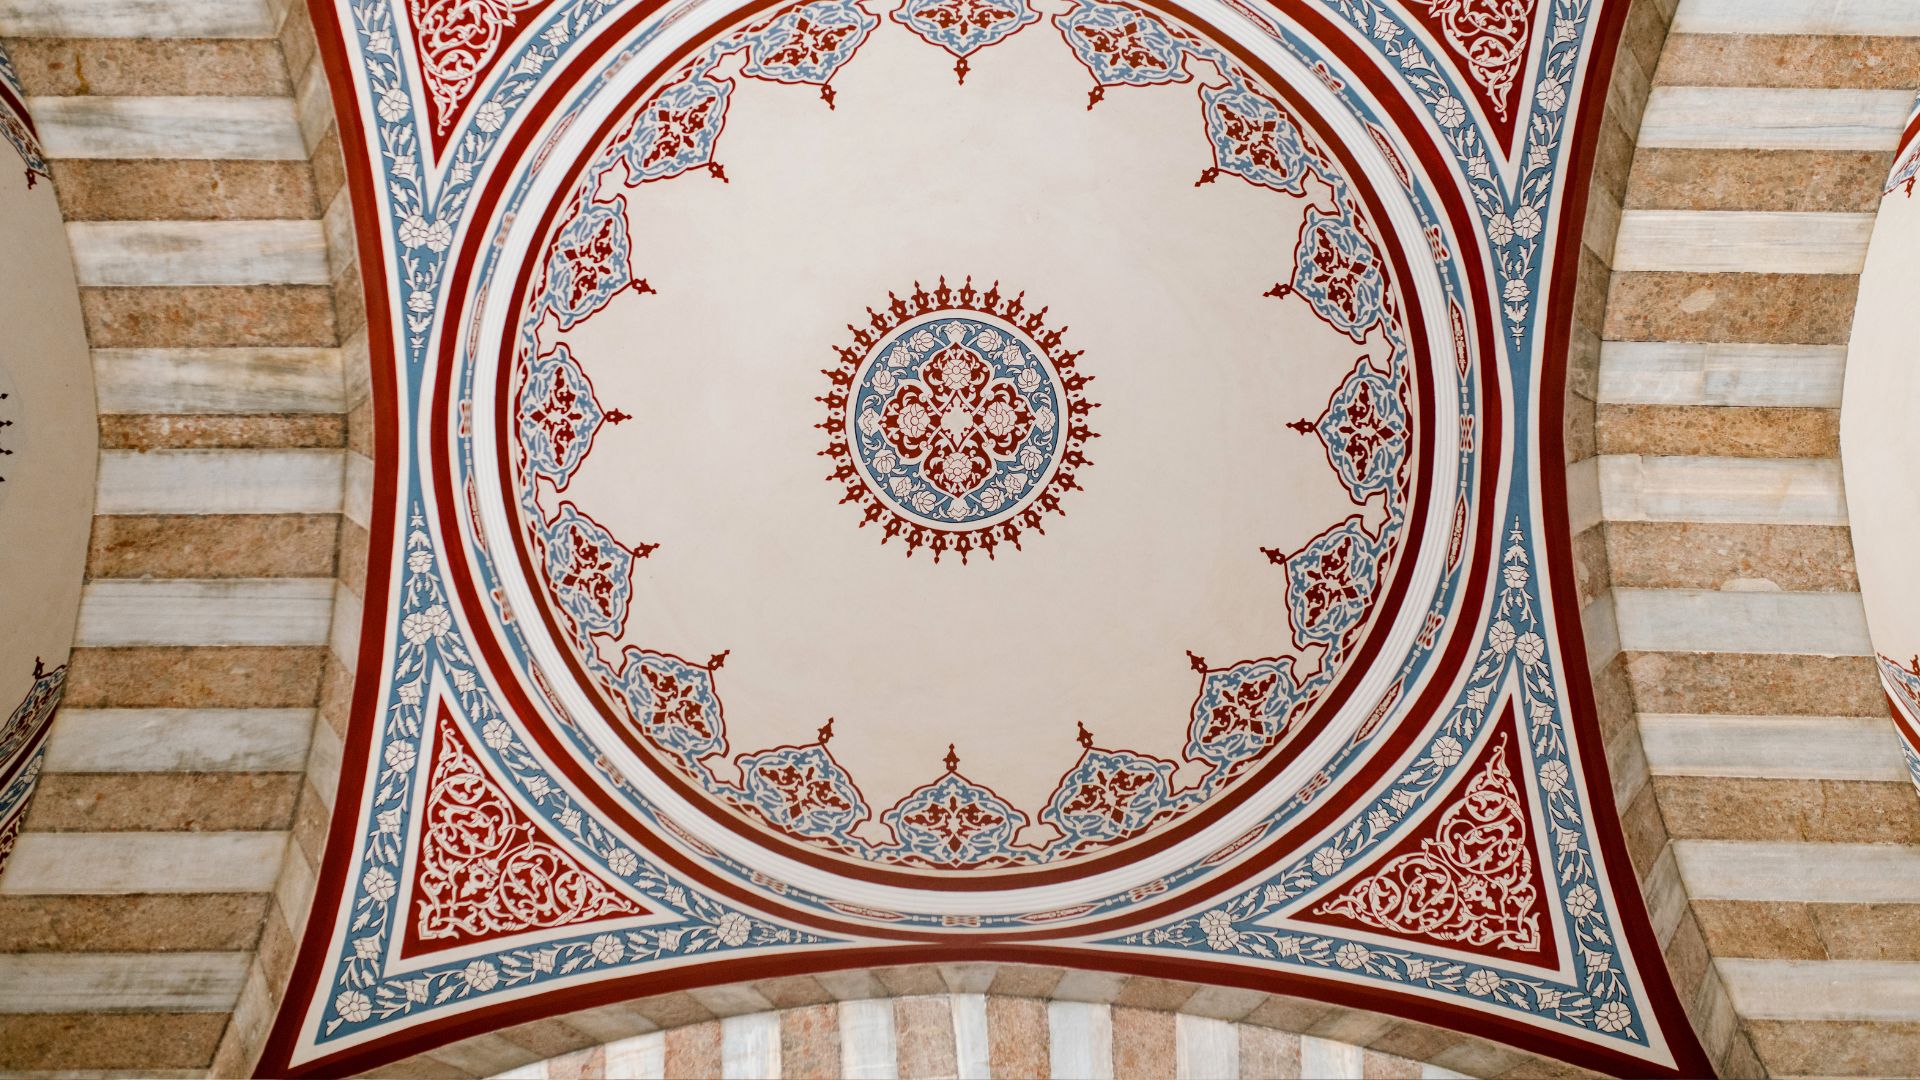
[
  {"x": 1490, "y": 39},
  {"x": 458, "y": 42},
  {"x": 1469, "y": 877},
  {"x": 485, "y": 868}
]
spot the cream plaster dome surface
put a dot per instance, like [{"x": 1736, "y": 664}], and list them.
[
  {"x": 48, "y": 454},
  {"x": 1879, "y": 443}
]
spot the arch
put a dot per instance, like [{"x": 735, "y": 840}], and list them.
[{"x": 1751, "y": 752}]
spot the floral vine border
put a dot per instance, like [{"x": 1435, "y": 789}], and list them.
[
  {"x": 1903, "y": 695},
  {"x": 16, "y": 126},
  {"x": 23, "y": 746},
  {"x": 421, "y": 252}
]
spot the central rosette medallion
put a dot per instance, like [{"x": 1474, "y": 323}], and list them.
[{"x": 956, "y": 419}]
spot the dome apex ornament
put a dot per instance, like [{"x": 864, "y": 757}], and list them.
[{"x": 956, "y": 419}]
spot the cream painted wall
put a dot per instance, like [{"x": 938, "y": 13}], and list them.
[
  {"x": 1879, "y": 435},
  {"x": 46, "y": 501}
]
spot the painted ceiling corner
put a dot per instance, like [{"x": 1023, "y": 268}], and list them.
[{"x": 1067, "y": 481}]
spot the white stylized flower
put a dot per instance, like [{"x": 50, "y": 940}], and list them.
[
  {"x": 462, "y": 172},
  {"x": 607, "y": 949},
  {"x": 1027, "y": 380},
  {"x": 1043, "y": 418},
  {"x": 1016, "y": 357},
  {"x": 1419, "y": 970},
  {"x": 1014, "y": 482},
  {"x": 537, "y": 786},
  {"x": 1598, "y": 963},
  {"x": 992, "y": 498},
  {"x": 388, "y": 820},
  {"x": 1478, "y": 168},
  {"x": 923, "y": 501},
  {"x": 1553, "y": 776},
  {"x": 1328, "y": 860},
  {"x": 622, "y": 861},
  {"x": 1539, "y": 156},
  {"x": 1516, "y": 290},
  {"x": 1031, "y": 459},
  {"x": 922, "y": 340},
  {"x": 380, "y": 42},
  {"x": 1531, "y": 647},
  {"x": 732, "y": 929},
  {"x": 1500, "y": 229},
  {"x": 570, "y": 820},
  {"x": 1546, "y": 997},
  {"x": 366, "y": 948},
  {"x": 415, "y": 230},
  {"x": 543, "y": 960},
  {"x": 1482, "y": 982},
  {"x": 463, "y": 680},
  {"x": 1401, "y": 799},
  {"x": 1501, "y": 637},
  {"x": 1447, "y": 751},
  {"x": 410, "y": 693},
  {"x": 1477, "y": 696},
  {"x": 399, "y": 756},
  {"x": 670, "y": 940},
  {"x": 1000, "y": 418},
  {"x": 496, "y": 734},
  {"x": 439, "y": 236},
  {"x": 480, "y": 975},
  {"x": 884, "y": 462},
  {"x": 988, "y": 339},
  {"x": 431, "y": 623},
  {"x": 416, "y": 990},
  {"x": 1565, "y": 841},
  {"x": 1352, "y": 955},
  {"x": 378, "y": 883},
  {"x": 420, "y": 301},
  {"x": 404, "y": 167},
  {"x": 956, "y": 370},
  {"x": 1379, "y": 820},
  {"x": 914, "y": 420},
  {"x": 885, "y": 381},
  {"x": 1515, "y": 576},
  {"x": 353, "y": 1006},
  {"x": 490, "y": 117},
  {"x": 1612, "y": 1016},
  {"x": 956, "y": 468},
  {"x": 900, "y": 486},
  {"x": 1448, "y": 112},
  {"x": 393, "y": 105},
  {"x": 419, "y": 561},
  {"x": 1221, "y": 934},
  {"x": 1526, "y": 222},
  {"x": 1551, "y": 95},
  {"x": 1288, "y": 946}
]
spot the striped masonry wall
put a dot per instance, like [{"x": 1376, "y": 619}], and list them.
[
  {"x": 952, "y": 1020},
  {"x": 972, "y": 1037},
  {"x": 1774, "y": 828},
  {"x": 148, "y": 915}
]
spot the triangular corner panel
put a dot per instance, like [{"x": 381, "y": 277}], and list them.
[{"x": 1055, "y": 481}]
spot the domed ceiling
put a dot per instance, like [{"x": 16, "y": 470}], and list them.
[{"x": 1053, "y": 480}]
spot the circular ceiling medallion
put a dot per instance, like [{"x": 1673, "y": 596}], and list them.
[
  {"x": 956, "y": 419},
  {"x": 1218, "y": 603}
]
